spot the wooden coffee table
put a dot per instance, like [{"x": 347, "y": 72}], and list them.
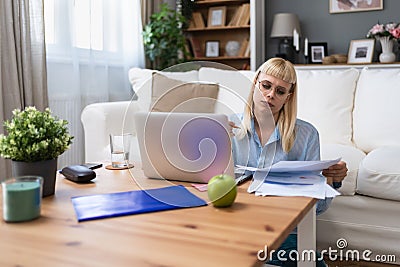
[{"x": 203, "y": 236}]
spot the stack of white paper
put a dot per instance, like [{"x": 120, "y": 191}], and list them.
[{"x": 292, "y": 178}]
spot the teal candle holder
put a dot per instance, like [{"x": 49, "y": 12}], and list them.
[{"x": 22, "y": 198}]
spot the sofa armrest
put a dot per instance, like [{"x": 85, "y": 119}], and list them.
[{"x": 101, "y": 119}]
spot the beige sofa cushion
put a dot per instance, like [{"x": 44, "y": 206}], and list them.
[
  {"x": 349, "y": 154},
  {"x": 376, "y": 109},
  {"x": 141, "y": 81},
  {"x": 170, "y": 95},
  {"x": 379, "y": 174},
  {"x": 325, "y": 99}
]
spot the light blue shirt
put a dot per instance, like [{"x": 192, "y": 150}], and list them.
[{"x": 248, "y": 151}]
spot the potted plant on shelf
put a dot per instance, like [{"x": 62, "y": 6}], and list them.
[
  {"x": 33, "y": 142},
  {"x": 163, "y": 38}
]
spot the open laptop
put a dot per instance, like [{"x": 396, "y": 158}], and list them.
[{"x": 190, "y": 147}]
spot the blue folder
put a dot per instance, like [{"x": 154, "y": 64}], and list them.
[{"x": 134, "y": 202}]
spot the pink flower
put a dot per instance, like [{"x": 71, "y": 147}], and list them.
[
  {"x": 378, "y": 28},
  {"x": 391, "y": 30},
  {"x": 390, "y": 26},
  {"x": 395, "y": 33}
]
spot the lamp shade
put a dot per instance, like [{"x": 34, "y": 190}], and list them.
[{"x": 284, "y": 24}]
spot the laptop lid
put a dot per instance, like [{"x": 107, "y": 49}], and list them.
[{"x": 190, "y": 147}]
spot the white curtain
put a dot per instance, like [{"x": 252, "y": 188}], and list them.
[{"x": 90, "y": 44}]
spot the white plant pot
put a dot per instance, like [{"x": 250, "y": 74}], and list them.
[{"x": 387, "y": 55}]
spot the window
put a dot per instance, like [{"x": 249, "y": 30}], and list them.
[
  {"x": 88, "y": 24},
  {"x": 83, "y": 26}
]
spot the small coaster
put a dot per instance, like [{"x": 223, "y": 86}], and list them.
[{"x": 109, "y": 167}]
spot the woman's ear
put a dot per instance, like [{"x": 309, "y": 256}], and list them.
[{"x": 288, "y": 97}]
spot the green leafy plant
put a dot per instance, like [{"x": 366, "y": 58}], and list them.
[
  {"x": 34, "y": 136},
  {"x": 163, "y": 38}
]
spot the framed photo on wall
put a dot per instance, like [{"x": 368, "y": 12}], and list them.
[
  {"x": 317, "y": 51},
  {"x": 212, "y": 48},
  {"x": 361, "y": 51},
  {"x": 216, "y": 16},
  {"x": 342, "y": 6}
]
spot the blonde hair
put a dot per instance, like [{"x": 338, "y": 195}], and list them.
[{"x": 284, "y": 70}]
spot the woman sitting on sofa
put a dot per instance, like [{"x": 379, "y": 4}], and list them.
[{"x": 270, "y": 132}]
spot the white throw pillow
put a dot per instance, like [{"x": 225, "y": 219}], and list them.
[
  {"x": 379, "y": 174},
  {"x": 325, "y": 99},
  {"x": 234, "y": 88},
  {"x": 352, "y": 156},
  {"x": 376, "y": 109}
]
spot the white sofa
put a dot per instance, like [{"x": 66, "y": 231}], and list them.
[{"x": 357, "y": 114}]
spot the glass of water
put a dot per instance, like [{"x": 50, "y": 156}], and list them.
[{"x": 120, "y": 146}]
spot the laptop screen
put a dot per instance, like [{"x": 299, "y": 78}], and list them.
[{"x": 190, "y": 147}]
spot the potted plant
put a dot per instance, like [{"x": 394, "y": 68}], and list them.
[
  {"x": 33, "y": 142},
  {"x": 163, "y": 38}
]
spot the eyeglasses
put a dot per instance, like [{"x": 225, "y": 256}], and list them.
[{"x": 280, "y": 92}]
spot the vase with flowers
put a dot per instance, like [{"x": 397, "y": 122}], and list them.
[
  {"x": 33, "y": 142},
  {"x": 387, "y": 34}
]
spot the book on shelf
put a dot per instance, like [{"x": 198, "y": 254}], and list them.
[
  {"x": 196, "y": 47},
  {"x": 191, "y": 25},
  {"x": 247, "y": 51},
  {"x": 235, "y": 17},
  {"x": 243, "y": 48},
  {"x": 241, "y": 16},
  {"x": 245, "y": 66},
  {"x": 245, "y": 15},
  {"x": 198, "y": 20}
]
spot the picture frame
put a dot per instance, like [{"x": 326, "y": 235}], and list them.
[
  {"x": 343, "y": 6},
  {"x": 361, "y": 51},
  {"x": 216, "y": 16},
  {"x": 212, "y": 49},
  {"x": 317, "y": 51}
]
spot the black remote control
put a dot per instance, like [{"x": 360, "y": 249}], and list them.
[{"x": 78, "y": 173}]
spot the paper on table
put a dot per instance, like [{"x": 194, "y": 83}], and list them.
[
  {"x": 306, "y": 184},
  {"x": 295, "y": 166},
  {"x": 315, "y": 190},
  {"x": 285, "y": 166},
  {"x": 320, "y": 191},
  {"x": 290, "y": 166},
  {"x": 295, "y": 178},
  {"x": 296, "y": 184}
]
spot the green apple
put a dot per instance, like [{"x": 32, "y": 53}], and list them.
[{"x": 222, "y": 190}]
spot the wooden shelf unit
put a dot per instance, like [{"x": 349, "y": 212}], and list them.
[{"x": 222, "y": 34}]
